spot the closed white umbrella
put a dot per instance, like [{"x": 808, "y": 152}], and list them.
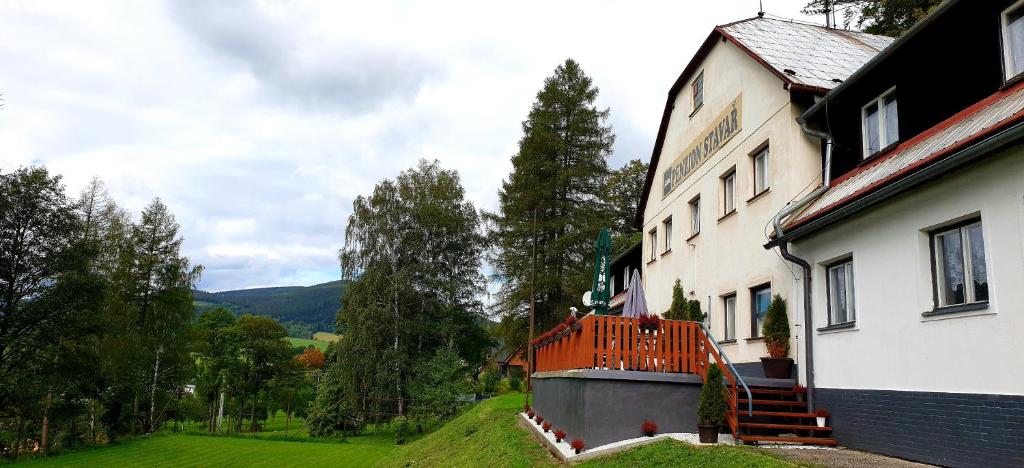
[{"x": 636, "y": 303}]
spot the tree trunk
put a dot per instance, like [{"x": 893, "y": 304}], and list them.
[
  {"x": 288, "y": 413},
  {"x": 152, "y": 390},
  {"x": 135, "y": 412},
  {"x": 252, "y": 414},
  {"x": 92, "y": 420},
  {"x": 220, "y": 411},
  {"x": 44, "y": 438}
]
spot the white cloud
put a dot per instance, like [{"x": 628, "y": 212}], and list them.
[{"x": 259, "y": 122}]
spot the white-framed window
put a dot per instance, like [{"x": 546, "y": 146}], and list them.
[
  {"x": 729, "y": 193},
  {"x": 760, "y": 160},
  {"x": 760, "y": 299},
  {"x": 652, "y": 236},
  {"x": 1013, "y": 40},
  {"x": 695, "y": 216},
  {"x": 961, "y": 275},
  {"x": 880, "y": 123},
  {"x": 841, "y": 308},
  {"x": 667, "y": 227},
  {"x": 697, "y": 89},
  {"x": 729, "y": 315},
  {"x": 625, "y": 278}
]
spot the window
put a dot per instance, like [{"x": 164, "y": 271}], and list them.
[
  {"x": 698, "y": 91},
  {"x": 625, "y": 278},
  {"x": 960, "y": 272},
  {"x": 729, "y": 308},
  {"x": 760, "y": 299},
  {"x": 881, "y": 123},
  {"x": 761, "y": 171},
  {"x": 1013, "y": 40},
  {"x": 729, "y": 193},
  {"x": 667, "y": 224},
  {"x": 840, "y": 292},
  {"x": 653, "y": 238},
  {"x": 695, "y": 216}
]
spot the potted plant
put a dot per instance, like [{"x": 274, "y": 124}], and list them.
[
  {"x": 775, "y": 331},
  {"x": 821, "y": 414},
  {"x": 649, "y": 428},
  {"x": 546, "y": 426},
  {"x": 577, "y": 445},
  {"x": 530, "y": 414},
  {"x": 559, "y": 435},
  {"x": 711, "y": 408},
  {"x": 800, "y": 391},
  {"x": 539, "y": 419}
]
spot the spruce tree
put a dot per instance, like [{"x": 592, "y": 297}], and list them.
[
  {"x": 555, "y": 199},
  {"x": 678, "y": 309}
]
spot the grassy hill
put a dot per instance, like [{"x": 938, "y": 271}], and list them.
[
  {"x": 301, "y": 309},
  {"x": 484, "y": 435}
]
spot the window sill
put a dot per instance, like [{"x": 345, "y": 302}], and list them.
[
  {"x": 759, "y": 195},
  {"x": 882, "y": 152},
  {"x": 756, "y": 338},
  {"x": 1008, "y": 82},
  {"x": 666, "y": 252},
  {"x": 732, "y": 341},
  {"x": 652, "y": 261},
  {"x": 695, "y": 109},
  {"x": 957, "y": 310},
  {"x": 694, "y": 236},
  {"x": 726, "y": 216},
  {"x": 848, "y": 326}
]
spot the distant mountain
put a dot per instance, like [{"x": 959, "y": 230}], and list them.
[{"x": 301, "y": 309}]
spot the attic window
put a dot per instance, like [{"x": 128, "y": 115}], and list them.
[
  {"x": 698, "y": 90},
  {"x": 880, "y": 123},
  {"x": 1013, "y": 40}
]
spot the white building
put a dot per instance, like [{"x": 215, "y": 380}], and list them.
[
  {"x": 729, "y": 155},
  {"x": 915, "y": 248}
]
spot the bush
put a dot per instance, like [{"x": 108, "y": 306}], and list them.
[
  {"x": 775, "y": 329},
  {"x": 504, "y": 386},
  {"x": 488, "y": 381},
  {"x": 677, "y": 311},
  {"x": 402, "y": 429},
  {"x": 437, "y": 389},
  {"x": 515, "y": 384},
  {"x": 711, "y": 409},
  {"x": 693, "y": 311}
]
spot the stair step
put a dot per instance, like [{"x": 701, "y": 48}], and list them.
[
  {"x": 743, "y": 412},
  {"x": 771, "y": 391},
  {"x": 775, "y": 402},
  {"x": 795, "y": 427},
  {"x": 800, "y": 440}
]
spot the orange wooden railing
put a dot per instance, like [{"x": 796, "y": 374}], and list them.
[{"x": 623, "y": 343}]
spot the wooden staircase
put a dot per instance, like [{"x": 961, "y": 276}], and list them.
[{"x": 779, "y": 417}]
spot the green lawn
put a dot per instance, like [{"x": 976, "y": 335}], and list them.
[
  {"x": 484, "y": 435},
  {"x": 305, "y": 342}
]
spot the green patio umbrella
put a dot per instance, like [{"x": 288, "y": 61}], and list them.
[{"x": 600, "y": 291}]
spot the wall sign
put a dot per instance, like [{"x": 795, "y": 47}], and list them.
[{"x": 726, "y": 125}]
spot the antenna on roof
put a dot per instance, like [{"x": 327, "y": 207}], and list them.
[{"x": 760, "y": 9}]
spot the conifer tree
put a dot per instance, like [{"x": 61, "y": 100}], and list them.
[
  {"x": 679, "y": 308},
  {"x": 555, "y": 199}
]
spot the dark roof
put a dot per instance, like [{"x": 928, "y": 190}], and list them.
[
  {"x": 804, "y": 56},
  {"x": 946, "y": 139}
]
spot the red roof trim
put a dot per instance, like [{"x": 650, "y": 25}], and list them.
[{"x": 959, "y": 116}]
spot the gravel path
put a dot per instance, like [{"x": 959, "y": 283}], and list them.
[{"x": 842, "y": 458}]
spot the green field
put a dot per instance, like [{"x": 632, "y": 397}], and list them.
[
  {"x": 305, "y": 342},
  {"x": 484, "y": 435}
]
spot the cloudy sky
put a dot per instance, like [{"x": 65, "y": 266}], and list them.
[{"x": 259, "y": 122}]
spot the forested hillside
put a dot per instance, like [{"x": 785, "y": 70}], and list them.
[{"x": 301, "y": 309}]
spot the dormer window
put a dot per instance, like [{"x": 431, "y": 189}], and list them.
[
  {"x": 697, "y": 87},
  {"x": 880, "y": 123},
  {"x": 1013, "y": 40}
]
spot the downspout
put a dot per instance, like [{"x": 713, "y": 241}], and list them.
[{"x": 784, "y": 250}]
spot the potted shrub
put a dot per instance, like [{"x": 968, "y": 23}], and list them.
[
  {"x": 577, "y": 445},
  {"x": 800, "y": 391},
  {"x": 546, "y": 426},
  {"x": 711, "y": 409},
  {"x": 821, "y": 414},
  {"x": 559, "y": 435},
  {"x": 539, "y": 419},
  {"x": 530, "y": 414},
  {"x": 649, "y": 428},
  {"x": 775, "y": 331}
]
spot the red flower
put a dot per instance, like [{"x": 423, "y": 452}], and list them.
[
  {"x": 799, "y": 389},
  {"x": 559, "y": 435},
  {"x": 539, "y": 419},
  {"x": 577, "y": 445},
  {"x": 822, "y": 413},
  {"x": 649, "y": 427},
  {"x": 530, "y": 414},
  {"x": 546, "y": 426}
]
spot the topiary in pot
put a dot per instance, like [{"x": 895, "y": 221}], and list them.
[
  {"x": 711, "y": 408},
  {"x": 775, "y": 331}
]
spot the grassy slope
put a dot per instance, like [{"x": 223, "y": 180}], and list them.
[
  {"x": 185, "y": 450},
  {"x": 304, "y": 342},
  {"x": 674, "y": 453},
  {"x": 485, "y": 435}
]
